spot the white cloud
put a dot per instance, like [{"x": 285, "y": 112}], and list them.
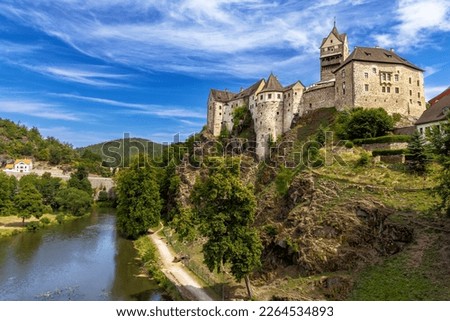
[
  {"x": 433, "y": 91},
  {"x": 416, "y": 19},
  {"x": 36, "y": 109}
]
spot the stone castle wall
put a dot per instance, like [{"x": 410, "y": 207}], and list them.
[
  {"x": 319, "y": 96},
  {"x": 396, "y": 88}
]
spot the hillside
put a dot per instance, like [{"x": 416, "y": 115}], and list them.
[
  {"x": 17, "y": 141},
  {"x": 118, "y": 146},
  {"x": 336, "y": 231}
]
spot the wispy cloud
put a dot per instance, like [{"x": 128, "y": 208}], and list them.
[
  {"x": 416, "y": 20},
  {"x": 36, "y": 109},
  {"x": 190, "y": 36},
  {"x": 432, "y": 91},
  {"x": 143, "y": 109}
]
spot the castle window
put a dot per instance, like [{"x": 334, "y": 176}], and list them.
[
  {"x": 343, "y": 88},
  {"x": 220, "y": 114},
  {"x": 278, "y": 112},
  {"x": 383, "y": 76},
  {"x": 269, "y": 96},
  {"x": 419, "y": 102},
  {"x": 279, "y": 95},
  {"x": 418, "y": 83},
  {"x": 343, "y": 73},
  {"x": 374, "y": 70},
  {"x": 410, "y": 80},
  {"x": 261, "y": 97},
  {"x": 410, "y": 92},
  {"x": 388, "y": 89},
  {"x": 396, "y": 77},
  {"x": 220, "y": 107},
  {"x": 310, "y": 105},
  {"x": 397, "y": 90},
  {"x": 383, "y": 89},
  {"x": 366, "y": 75},
  {"x": 294, "y": 94},
  {"x": 366, "y": 87},
  {"x": 389, "y": 77},
  {"x": 284, "y": 96},
  {"x": 260, "y": 122},
  {"x": 418, "y": 95},
  {"x": 410, "y": 101}
]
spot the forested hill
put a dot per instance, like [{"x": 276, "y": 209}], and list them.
[
  {"x": 18, "y": 141},
  {"x": 132, "y": 146}
]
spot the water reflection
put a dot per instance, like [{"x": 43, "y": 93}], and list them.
[{"x": 80, "y": 260}]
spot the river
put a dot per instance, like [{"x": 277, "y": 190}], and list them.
[{"x": 83, "y": 259}]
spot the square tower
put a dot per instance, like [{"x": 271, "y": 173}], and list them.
[{"x": 333, "y": 52}]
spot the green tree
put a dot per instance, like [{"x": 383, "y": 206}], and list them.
[
  {"x": 138, "y": 200},
  {"x": 79, "y": 180},
  {"x": 364, "y": 123},
  {"x": 8, "y": 186},
  {"x": 73, "y": 200},
  {"x": 225, "y": 209},
  {"x": 417, "y": 158},
  {"x": 49, "y": 186},
  {"x": 28, "y": 202}
]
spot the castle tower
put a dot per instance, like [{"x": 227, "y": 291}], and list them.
[{"x": 333, "y": 52}]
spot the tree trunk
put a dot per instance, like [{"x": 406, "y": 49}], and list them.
[
  {"x": 23, "y": 221},
  {"x": 249, "y": 288}
]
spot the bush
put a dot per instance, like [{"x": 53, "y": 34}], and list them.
[
  {"x": 388, "y": 152},
  {"x": 33, "y": 226},
  {"x": 348, "y": 144},
  {"x": 363, "y": 160},
  {"x": 364, "y": 123},
  {"x": 383, "y": 139},
  {"x": 45, "y": 220},
  {"x": 60, "y": 218}
]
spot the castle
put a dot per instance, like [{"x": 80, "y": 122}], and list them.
[{"x": 367, "y": 77}]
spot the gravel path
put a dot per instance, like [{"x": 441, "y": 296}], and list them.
[{"x": 178, "y": 273}]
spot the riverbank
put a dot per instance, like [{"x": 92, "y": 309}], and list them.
[
  {"x": 12, "y": 225},
  {"x": 186, "y": 284}
]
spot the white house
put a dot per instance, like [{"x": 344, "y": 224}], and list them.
[
  {"x": 20, "y": 166},
  {"x": 435, "y": 115}
]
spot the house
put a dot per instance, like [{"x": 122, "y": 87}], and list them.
[
  {"x": 20, "y": 166},
  {"x": 434, "y": 115}
]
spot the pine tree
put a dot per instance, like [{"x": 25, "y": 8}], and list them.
[{"x": 417, "y": 158}]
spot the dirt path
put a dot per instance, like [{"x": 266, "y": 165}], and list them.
[{"x": 178, "y": 273}]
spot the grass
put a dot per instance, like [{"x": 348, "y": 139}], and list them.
[{"x": 396, "y": 280}]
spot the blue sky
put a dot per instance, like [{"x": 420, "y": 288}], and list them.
[{"x": 86, "y": 71}]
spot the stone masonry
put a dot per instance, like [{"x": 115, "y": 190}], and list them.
[{"x": 368, "y": 78}]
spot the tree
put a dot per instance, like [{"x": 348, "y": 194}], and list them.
[
  {"x": 79, "y": 180},
  {"x": 364, "y": 123},
  {"x": 8, "y": 186},
  {"x": 73, "y": 200},
  {"x": 28, "y": 202},
  {"x": 225, "y": 209},
  {"x": 416, "y": 154},
  {"x": 49, "y": 186},
  {"x": 139, "y": 205},
  {"x": 440, "y": 140}
]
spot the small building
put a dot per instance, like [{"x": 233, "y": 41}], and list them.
[
  {"x": 20, "y": 166},
  {"x": 435, "y": 115}
]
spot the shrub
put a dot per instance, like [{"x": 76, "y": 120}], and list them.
[
  {"x": 363, "y": 160},
  {"x": 45, "y": 220},
  {"x": 387, "y": 152},
  {"x": 348, "y": 144},
  {"x": 33, "y": 226},
  {"x": 364, "y": 123},
  {"x": 383, "y": 139},
  {"x": 60, "y": 218}
]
